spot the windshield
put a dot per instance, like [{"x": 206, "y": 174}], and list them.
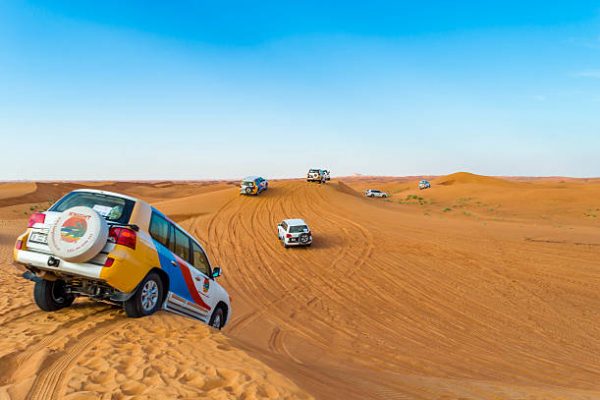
[
  {"x": 115, "y": 209},
  {"x": 313, "y": 171},
  {"x": 298, "y": 229},
  {"x": 374, "y": 191}
]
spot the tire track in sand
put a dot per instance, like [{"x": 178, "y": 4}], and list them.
[{"x": 50, "y": 383}]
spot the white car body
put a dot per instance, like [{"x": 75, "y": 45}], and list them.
[
  {"x": 424, "y": 184},
  {"x": 375, "y": 193},
  {"x": 294, "y": 232},
  {"x": 315, "y": 175}
]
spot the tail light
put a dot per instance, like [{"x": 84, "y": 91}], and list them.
[
  {"x": 36, "y": 218},
  {"x": 109, "y": 262},
  {"x": 19, "y": 245},
  {"x": 288, "y": 235},
  {"x": 123, "y": 236}
]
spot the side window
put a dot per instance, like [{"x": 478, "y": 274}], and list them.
[
  {"x": 284, "y": 226},
  {"x": 159, "y": 229},
  {"x": 199, "y": 260},
  {"x": 182, "y": 245}
]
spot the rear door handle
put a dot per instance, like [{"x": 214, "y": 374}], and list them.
[{"x": 174, "y": 263}]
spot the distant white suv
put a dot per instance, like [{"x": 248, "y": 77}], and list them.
[
  {"x": 315, "y": 175},
  {"x": 294, "y": 232},
  {"x": 375, "y": 193}
]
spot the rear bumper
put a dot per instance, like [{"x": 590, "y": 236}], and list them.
[
  {"x": 298, "y": 243},
  {"x": 40, "y": 261}
]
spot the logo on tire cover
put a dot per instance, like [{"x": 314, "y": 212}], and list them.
[{"x": 73, "y": 229}]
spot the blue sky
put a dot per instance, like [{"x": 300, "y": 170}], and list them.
[{"x": 197, "y": 90}]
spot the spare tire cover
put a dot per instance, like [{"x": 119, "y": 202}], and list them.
[{"x": 79, "y": 234}]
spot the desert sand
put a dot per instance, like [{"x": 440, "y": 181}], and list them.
[{"x": 478, "y": 288}]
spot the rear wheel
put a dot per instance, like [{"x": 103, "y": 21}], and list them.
[
  {"x": 217, "y": 319},
  {"x": 147, "y": 299},
  {"x": 52, "y": 295}
]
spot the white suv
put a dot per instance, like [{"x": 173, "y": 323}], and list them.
[
  {"x": 375, "y": 193},
  {"x": 315, "y": 175},
  {"x": 294, "y": 232}
]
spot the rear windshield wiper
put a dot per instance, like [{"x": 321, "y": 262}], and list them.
[{"x": 132, "y": 226}]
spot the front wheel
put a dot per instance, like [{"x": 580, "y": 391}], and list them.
[
  {"x": 147, "y": 299},
  {"x": 52, "y": 295},
  {"x": 217, "y": 320}
]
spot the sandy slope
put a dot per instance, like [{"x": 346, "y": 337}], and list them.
[{"x": 477, "y": 288}]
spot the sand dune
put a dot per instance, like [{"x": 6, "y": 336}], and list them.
[{"x": 479, "y": 287}]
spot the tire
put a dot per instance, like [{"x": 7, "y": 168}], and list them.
[
  {"x": 217, "y": 319},
  {"x": 78, "y": 235},
  {"x": 147, "y": 298},
  {"x": 51, "y": 295}
]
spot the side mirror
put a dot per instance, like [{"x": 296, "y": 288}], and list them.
[{"x": 216, "y": 272}]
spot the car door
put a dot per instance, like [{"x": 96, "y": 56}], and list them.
[
  {"x": 205, "y": 284},
  {"x": 161, "y": 232},
  {"x": 281, "y": 230},
  {"x": 195, "y": 304}
]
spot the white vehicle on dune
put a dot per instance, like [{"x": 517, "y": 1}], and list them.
[
  {"x": 424, "y": 184},
  {"x": 294, "y": 232},
  {"x": 375, "y": 193},
  {"x": 316, "y": 175}
]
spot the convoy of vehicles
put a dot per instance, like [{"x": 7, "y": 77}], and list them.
[
  {"x": 294, "y": 232},
  {"x": 116, "y": 248},
  {"x": 424, "y": 184},
  {"x": 375, "y": 193},
  {"x": 253, "y": 185}
]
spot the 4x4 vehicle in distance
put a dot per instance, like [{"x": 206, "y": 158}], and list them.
[
  {"x": 115, "y": 248},
  {"x": 375, "y": 193},
  {"x": 294, "y": 232},
  {"x": 315, "y": 175},
  {"x": 424, "y": 184},
  {"x": 253, "y": 185},
  {"x": 327, "y": 174}
]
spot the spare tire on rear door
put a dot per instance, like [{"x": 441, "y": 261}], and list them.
[
  {"x": 304, "y": 238},
  {"x": 78, "y": 235}
]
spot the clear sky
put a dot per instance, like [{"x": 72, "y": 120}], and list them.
[{"x": 196, "y": 90}]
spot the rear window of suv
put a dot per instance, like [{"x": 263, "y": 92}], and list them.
[
  {"x": 298, "y": 229},
  {"x": 114, "y": 209}
]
